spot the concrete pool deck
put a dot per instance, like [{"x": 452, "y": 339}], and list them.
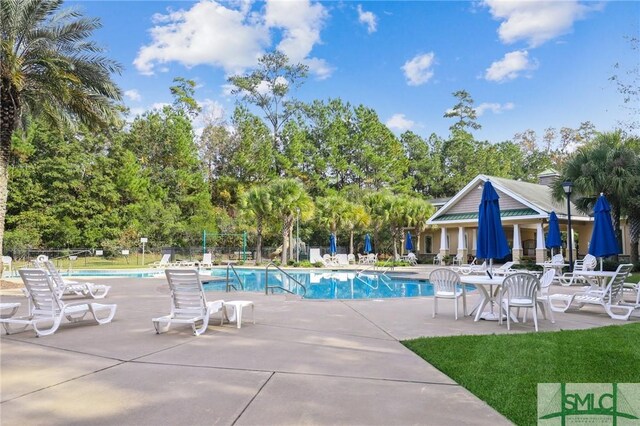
[{"x": 303, "y": 362}]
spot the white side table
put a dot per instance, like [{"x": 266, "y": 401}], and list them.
[{"x": 236, "y": 314}]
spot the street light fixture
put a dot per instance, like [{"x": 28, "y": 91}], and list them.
[
  {"x": 568, "y": 189},
  {"x": 298, "y": 234}
]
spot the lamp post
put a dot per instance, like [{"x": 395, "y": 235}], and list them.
[
  {"x": 298, "y": 234},
  {"x": 568, "y": 188}
]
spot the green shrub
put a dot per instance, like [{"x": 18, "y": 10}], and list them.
[
  {"x": 318, "y": 264},
  {"x": 291, "y": 262},
  {"x": 303, "y": 264}
]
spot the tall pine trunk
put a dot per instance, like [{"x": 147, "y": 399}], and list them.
[{"x": 351, "y": 243}]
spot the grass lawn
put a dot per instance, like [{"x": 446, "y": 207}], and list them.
[{"x": 504, "y": 370}]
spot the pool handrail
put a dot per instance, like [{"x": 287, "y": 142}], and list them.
[
  {"x": 230, "y": 286},
  {"x": 272, "y": 287}
]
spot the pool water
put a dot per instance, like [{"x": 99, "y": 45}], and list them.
[{"x": 328, "y": 284}]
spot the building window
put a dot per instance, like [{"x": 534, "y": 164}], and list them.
[{"x": 428, "y": 244}]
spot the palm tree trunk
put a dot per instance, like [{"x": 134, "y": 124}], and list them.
[
  {"x": 634, "y": 234},
  {"x": 291, "y": 242},
  {"x": 615, "y": 216},
  {"x": 7, "y": 126},
  {"x": 351, "y": 243},
  {"x": 259, "y": 242},
  {"x": 286, "y": 224}
]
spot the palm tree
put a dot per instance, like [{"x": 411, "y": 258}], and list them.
[
  {"x": 331, "y": 212},
  {"x": 257, "y": 204},
  {"x": 608, "y": 165},
  {"x": 419, "y": 211},
  {"x": 356, "y": 217},
  {"x": 288, "y": 195},
  {"x": 49, "y": 69}
]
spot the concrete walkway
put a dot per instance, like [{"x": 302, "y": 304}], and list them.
[{"x": 303, "y": 362}]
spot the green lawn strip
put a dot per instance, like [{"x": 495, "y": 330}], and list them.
[{"x": 504, "y": 370}]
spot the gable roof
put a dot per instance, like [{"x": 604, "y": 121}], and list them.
[{"x": 536, "y": 200}]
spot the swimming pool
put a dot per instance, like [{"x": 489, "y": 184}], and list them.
[
  {"x": 329, "y": 284},
  {"x": 131, "y": 273}
]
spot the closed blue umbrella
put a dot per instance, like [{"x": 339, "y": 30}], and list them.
[
  {"x": 491, "y": 242},
  {"x": 408, "y": 244},
  {"x": 553, "y": 236},
  {"x": 332, "y": 244},
  {"x": 367, "y": 244},
  {"x": 603, "y": 240}
]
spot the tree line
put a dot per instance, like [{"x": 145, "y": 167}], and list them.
[{"x": 79, "y": 175}]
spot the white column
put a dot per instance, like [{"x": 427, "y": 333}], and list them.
[
  {"x": 517, "y": 244},
  {"x": 541, "y": 251},
  {"x": 474, "y": 240},
  {"x": 444, "y": 250},
  {"x": 462, "y": 247}
]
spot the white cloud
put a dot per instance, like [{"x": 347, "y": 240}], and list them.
[
  {"x": 510, "y": 67},
  {"x": 133, "y": 94},
  {"x": 418, "y": 70},
  {"x": 399, "y": 122},
  {"x": 319, "y": 67},
  {"x": 369, "y": 19},
  {"x": 536, "y": 22},
  {"x": 232, "y": 36},
  {"x": 495, "y": 108}
]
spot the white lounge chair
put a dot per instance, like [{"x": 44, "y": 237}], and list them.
[
  {"x": 520, "y": 290},
  {"x": 446, "y": 285},
  {"x": 314, "y": 256},
  {"x": 589, "y": 263},
  {"x": 504, "y": 269},
  {"x": 206, "y": 261},
  {"x": 609, "y": 298},
  {"x": 75, "y": 288},
  {"x": 46, "y": 307},
  {"x": 351, "y": 258},
  {"x": 188, "y": 302},
  {"x": 342, "y": 260},
  {"x": 474, "y": 269},
  {"x": 165, "y": 262}
]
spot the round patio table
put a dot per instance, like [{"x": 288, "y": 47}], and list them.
[{"x": 485, "y": 286}]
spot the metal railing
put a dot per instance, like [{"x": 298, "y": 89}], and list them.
[
  {"x": 273, "y": 287},
  {"x": 229, "y": 285}
]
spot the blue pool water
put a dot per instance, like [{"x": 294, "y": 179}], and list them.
[{"x": 329, "y": 284}]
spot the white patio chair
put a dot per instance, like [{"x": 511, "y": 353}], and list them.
[
  {"x": 589, "y": 263},
  {"x": 633, "y": 290},
  {"x": 74, "y": 288},
  {"x": 438, "y": 259},
  {"x": 519, "y": 291},
  {"x": 457, "y": 260},
  {"x": 412, "y": 259},
  {"x": 363, "y": 259},
  {"x": 46, "y": 307},
  {"x": 351, "y": 259},
  {"x": 609, "y": 298},
  {"x": 543, "y": 295},
  {"x": 188, "y": 302},
  {"x": 446, "y": 285},
  {"x": 7, "y": 265},
  {"x": 557, "y": 258}
]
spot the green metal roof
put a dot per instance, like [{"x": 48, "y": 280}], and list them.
[{"x": 474, "y": 215}]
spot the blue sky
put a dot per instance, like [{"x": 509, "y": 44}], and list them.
[{"x": 528, "y": 65}]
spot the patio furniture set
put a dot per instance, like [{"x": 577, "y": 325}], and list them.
[
  {"x": 46, "y": 291},
  {"x": 507, "y": 289}
]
